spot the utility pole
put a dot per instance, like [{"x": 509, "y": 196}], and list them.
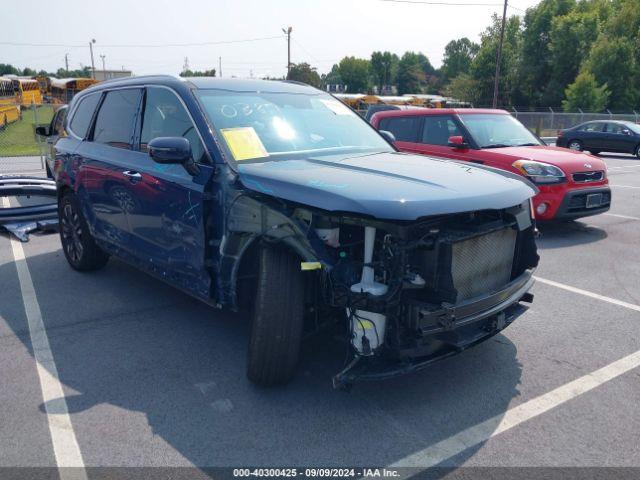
[
  {"x": 103, "y": 57},
  {"x": 499, "y": 57},
  {"x": 93, "y": 65},
  {"x": 66, "y": 61},
  {"x": 220, "y": 67},
  {"x": 288, "y": 34}
]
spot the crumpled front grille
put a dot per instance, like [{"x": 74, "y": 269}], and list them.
[
  {"x": 483, "y": 264},
  {"x": 585, "y": 177}
]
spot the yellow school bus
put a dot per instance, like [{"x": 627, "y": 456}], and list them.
[
  {"x": 28, "y": 91},
  {"x": 64, "y": 89},
  {"x": 9, "y": 107}
]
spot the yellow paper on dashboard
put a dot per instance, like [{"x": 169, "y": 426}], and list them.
[{"x": 244, "y": 143}]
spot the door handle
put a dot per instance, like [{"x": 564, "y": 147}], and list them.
[{"x": 132, "y": 174}]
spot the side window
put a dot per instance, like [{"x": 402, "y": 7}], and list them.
[
  {"x": 58, "y": 123},
  {"x": 165, "y": 116},
  {"x": 116, "y": 118},
  {"x": 616, "y": 128},
  {"x": 438, "y": 129},
  {"x": 83, "y": 114},
  {"x": 405, "y": 129},
  {"x": 592, "y": 127}
]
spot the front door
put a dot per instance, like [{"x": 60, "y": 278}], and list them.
[
  {"x": 619, "y": 138},
  {"x": 168, "y": 221}
]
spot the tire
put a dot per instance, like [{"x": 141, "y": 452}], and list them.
[
  {"x": 78, "y": 245},
  {"x": 574, "y": 145},
  {"x": 276, "y": 330},
  {"x": 595, "y": 152},
  {"x": 48, "y": 170},
  {"x": 638, "y": 151}
]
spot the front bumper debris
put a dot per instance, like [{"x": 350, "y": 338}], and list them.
[
  {"x": 456, "y": 328},
  {"x": 22, "y": 220}
]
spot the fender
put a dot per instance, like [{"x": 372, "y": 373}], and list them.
[{"x": 250, "y": 220}]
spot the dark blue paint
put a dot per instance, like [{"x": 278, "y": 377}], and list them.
[{"x": 176, "y": 226}]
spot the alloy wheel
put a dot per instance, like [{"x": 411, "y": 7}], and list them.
[{"x": 72, "y": 233}]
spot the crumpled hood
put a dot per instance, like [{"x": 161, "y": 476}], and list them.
[
  {"x": 570, "y": 161},
  {"x": 386, "y": 185}
]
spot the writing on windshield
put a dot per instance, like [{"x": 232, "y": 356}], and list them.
[{"x": 267, "y": 125}]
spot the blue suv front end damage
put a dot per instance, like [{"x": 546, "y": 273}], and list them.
[{"x": 276, "y": 200}]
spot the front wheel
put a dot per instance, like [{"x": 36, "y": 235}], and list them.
[
  {"x": 78, "y": 245},
  {"x": 575, "y": 145},
  {"x": 595, "y": 152},
  {"x": 638, "y": 151},
  {"x": 276, "y": 330}
]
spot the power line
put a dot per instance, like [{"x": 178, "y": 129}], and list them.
[
  {"x": 156, "y": 45},
  {"x": 452, "y": 4}
]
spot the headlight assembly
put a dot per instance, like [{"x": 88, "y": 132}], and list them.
[{"x": 540, "y": 173}]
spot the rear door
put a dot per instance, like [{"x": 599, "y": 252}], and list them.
[
  {"x": 167, "y": 219},
  {"x": 106, "y": 158},
  {"x": 407, "y": 131}
]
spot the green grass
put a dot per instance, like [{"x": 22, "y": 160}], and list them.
[{"x": 19, "y": 138}]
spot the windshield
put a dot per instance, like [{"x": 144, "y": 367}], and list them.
[
  {"x": 275, "y": 126},
  {"x": 497, "y": 130},
  {"x": 635, "y": 128}
]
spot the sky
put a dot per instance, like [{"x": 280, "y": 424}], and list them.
[{"x": 149, "y": 37}]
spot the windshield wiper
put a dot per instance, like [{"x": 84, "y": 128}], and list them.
[
  {"x": 528, "y": 145},
  {"x": 495, "y": 145}
]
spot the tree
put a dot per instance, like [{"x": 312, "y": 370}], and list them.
[
  {"x": 612, "y": 62},
  {"x": 85, "y": 72},
  {"x": 384, "y": 68},
  {"x": 305, "y": 73},
  {"x": 355, "y": 74},
  {"x": 28, "y": 72},
  {"x": 458, "y": 55},
  {"x": 196, "y": 73},
  {"x": 7, "y": 69},
  {"x": 483, "y": 66},
  {"x": 411, "y": 76},
  {"x": 332, "y": 78},
  {"x": 585, "y": 94},
  {"x": 535, "y": 72},
  {"x": 463, "y": 87},
  {"x": 572, "y": 36}
]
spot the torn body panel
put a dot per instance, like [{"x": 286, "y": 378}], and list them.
[
  {"x": 450, "y": 281},
  {"x": 22, "y": 219}
]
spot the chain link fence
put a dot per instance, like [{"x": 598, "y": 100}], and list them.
[
  {"x": 547, "y": 124},
  {"x": 21, "y": 150}
]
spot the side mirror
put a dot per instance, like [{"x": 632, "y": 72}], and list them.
[
  {"x": 42, "y": 131},
  {"x": 457, "y": 141},
  {"x": 388, "y": 136},
  {"x": 626, "y": 131},
  {"x": 173, "y": 150}
]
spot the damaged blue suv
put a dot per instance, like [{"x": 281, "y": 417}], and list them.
[{"x": 276, "y": 199}]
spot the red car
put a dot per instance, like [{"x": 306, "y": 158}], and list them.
[{"x": 572, "y": 184}]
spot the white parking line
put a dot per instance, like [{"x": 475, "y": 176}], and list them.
[
  {"x": 624, "y": 186},
  {"x": 63, "y": 438},
  {"x": 597, "y": 296},
  {"x": 621, "y": 216},
  {"x": 473, "y": 436}
]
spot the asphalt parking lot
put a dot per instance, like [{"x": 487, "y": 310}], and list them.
[{"x": 151, "y": 377}]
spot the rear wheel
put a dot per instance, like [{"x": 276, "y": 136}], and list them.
[
  {"x": 638, "y": 151},
  {"x": 78, "y": 245},
  {"x": 276, "y": 330},
  {"x": 575, "y": 145}
]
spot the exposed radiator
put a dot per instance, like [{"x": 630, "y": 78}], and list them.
[{"x": 483, "y": 264}]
